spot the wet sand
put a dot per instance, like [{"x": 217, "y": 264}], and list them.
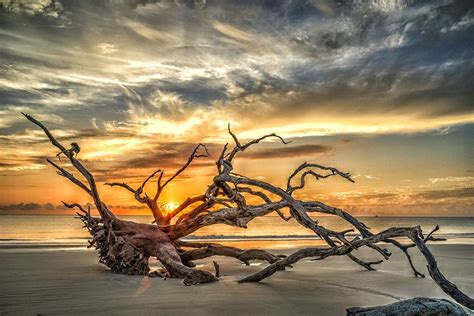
[{"x": 72, "y": 282}]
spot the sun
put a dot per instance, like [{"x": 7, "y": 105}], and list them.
[{"x": 171, "y": 206}]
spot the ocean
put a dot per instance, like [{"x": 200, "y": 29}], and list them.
[{"x": 66, "y": 232}]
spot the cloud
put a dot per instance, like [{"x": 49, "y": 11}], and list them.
[
  {"x": 11, "y": 114},
  {"x": 452, "y": 179},
  {"x": 292, "y": 65},
  {"x": 50, "y": 10},
  {"x": 371, "y": 177},
  {"x": 49, "y": 208},
  {"x": 233, "y": 32},
  {"x": 287, "y": 152},
  {"x": 167, "y": 156},
  {"x": 413, "y": 210},
  {"x": 29, "y": 207},
  {"x": 31, "y": 7},
  {"x": 459, "y": 193}
]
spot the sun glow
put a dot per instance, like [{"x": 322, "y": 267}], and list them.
[{"x": 171, "y": 206}]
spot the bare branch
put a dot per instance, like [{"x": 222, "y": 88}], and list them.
[
  {"x": 366, "y": 264},
  {"x": 290, "y": 189},
  {"x": 148, "y": 179},
  {"x": 239, "y": 147},
  {"x": 236, "y": 140},
  {"x": 413, "y": 233},
  {"x": 121, "y": 184},
  {"x": 46, "y": 131},
  {"x": 193, "y": 155},
  {"x": 76, "y": 205},
  {"x": 205, "y": 250},
  {"x": 101, "y": 207},
  {"x": 448, "y": 287},
  {"x": 265, "y": 198},
  {"x": 63, "y": 172},
  {"x": 188, "y": 202}
]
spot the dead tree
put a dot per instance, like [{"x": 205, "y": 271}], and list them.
[{"x": 126, "y": 246}]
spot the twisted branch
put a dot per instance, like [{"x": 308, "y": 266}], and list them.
[{"x": 92, "y": 189}]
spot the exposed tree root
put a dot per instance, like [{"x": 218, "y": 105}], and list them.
[
  {"x": 125, "y": 248},
  {"x": 170, "y": 259}
]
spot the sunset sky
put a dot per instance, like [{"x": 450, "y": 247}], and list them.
[{"x": 384, "y": 91}]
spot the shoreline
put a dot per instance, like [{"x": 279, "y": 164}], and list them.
[
  {"x": 246, "y": 242},
  {"x": 72, "y": 282}
]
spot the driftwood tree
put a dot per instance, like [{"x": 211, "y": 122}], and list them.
[{"x": 125, "y": 246}]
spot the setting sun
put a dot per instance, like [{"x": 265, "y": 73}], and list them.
[{"x": 170, "y": 206}]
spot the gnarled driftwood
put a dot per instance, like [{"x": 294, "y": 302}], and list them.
[{"x": 125, "y": 246}]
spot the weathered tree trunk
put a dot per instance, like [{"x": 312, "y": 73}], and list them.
[{"x": 125, "y": 246}]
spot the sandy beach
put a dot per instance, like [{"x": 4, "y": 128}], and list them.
[{"x": 72, "y": 282}]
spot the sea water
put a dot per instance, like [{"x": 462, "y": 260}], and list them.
[{"x": 59, "y": 231}]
